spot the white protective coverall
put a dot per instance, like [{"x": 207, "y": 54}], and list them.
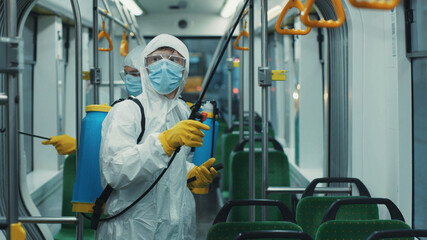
[
  {"x": 168, "y": 211},
  {"x": 133, "y": 59}
]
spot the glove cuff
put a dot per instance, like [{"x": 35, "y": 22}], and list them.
[
  {"x": 200, "y": 190},
  {"x": 168, "y": 149}
]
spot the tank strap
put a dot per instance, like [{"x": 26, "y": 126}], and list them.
[
  {"x": 141, "y": 108},
  {"x": 99, "y": 204}
]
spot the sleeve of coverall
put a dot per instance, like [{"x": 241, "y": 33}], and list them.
[
  {"x": 122, "y": 161},
  {"x": 190, "y": 165}
]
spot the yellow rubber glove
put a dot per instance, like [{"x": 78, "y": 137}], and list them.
[
  {"x": 204, "y": 177},
  {"x": 64, "y": 144},
  {"x": 186, "y": 132}
]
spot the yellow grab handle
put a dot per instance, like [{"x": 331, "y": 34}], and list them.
[
  {"x": 124, "y": 50},
  {"x": 102, "y": 34},
  {"x": 375, "y": 4},
  {"x": 296, "y": 4},
  {"x": 243, "y": 33},
  {"x": 322, "y": 22}
]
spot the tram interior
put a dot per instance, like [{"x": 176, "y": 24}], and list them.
[{"x": 342, "y": 121}]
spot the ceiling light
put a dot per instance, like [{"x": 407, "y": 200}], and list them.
[
  {"x": 133, "y": 6},
  {"x": 274, "y": 12},
  {"x": 229, "y": 8}
]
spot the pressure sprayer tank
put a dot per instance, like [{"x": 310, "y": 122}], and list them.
[
  {"x": 87, "y": 186},
  {"x": 203, "y": 153}
]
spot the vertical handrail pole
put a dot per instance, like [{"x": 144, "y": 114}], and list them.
[
  {"x": 111, "y": 63},
  {"x": 95, "y": 50},
  {"x": 230, "y": 86},
  {"x": 79, "y": 98},
  {"x": 265, "y": 96},
  {"x": 12, "y": 167},
  {"x": 241, "y": 86},
  {"x": 251, "y": 110}
]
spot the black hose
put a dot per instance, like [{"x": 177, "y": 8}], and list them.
[{"x": 198, "y": 104}]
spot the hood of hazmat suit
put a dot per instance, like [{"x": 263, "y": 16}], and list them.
[
  {"x": 168, "y": 210},
  {"x": 133, "y": 58}
]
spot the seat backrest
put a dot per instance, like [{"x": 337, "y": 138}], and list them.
[
  {"x": 359, "y": 229},
  {"x": 230, "y": 230},
  {"x": 221, "y": 128},
  {"x": 310, "y": 212},
  {"x": 278, "y": 175},
  {"x": 228, "y": 143}
]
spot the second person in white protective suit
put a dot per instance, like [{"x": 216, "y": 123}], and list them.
[{"x": 168, "y": 210}]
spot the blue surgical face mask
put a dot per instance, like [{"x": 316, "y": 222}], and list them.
[
  {"x": 165, "y": 76},
  {"x": 133, "y": 85}
]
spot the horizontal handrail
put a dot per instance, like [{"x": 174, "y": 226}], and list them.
[
  {"x": 119, "y": 22},
  {"x": 301, "y": 190},
  {"x": 3, "y": 99},
  {"x": 375, "y": 4},
  {"x": 58, "y": 220}
]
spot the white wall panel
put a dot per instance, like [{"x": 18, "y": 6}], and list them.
[{"x": 380, "y": 102}]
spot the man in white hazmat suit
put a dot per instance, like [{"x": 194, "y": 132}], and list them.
[
  {"x": 168, "y": 210},
  {"x": 65, "y": 144}
]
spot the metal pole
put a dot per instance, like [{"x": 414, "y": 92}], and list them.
[
  {"x": 230, "y": 86},
  {"x": 95, "y": 50},
  {"x": 241, "y": 83},
  {"x": 251, "y": 110},
  {"x": 78, "y": 26},
  {"x": 50, "y": 220},
  {"x": 138, "y": 31},
  {"x": 347, "y": 190},
  {"x": 265, "y": 96},
  {"x": 111, "y": 64},
  {"x": 12, "y": 128},
  {"x": 122, "y": 15}
]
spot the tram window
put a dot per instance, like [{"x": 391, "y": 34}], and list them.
[
  {"x": 303, "y": 115},
  {"x": 26, "y": 125},
  {"x": 418, "y": 29},
  {"x": 419, "y": 81},
  {"x": 417, "y": 37}
]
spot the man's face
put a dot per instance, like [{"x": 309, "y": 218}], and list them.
[
  {"x": 131, "y": 71},
  {"x": 166, "y": 53}
]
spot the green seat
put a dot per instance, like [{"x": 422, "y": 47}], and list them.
[
  {"x": 229, "y": 142},
  {"x": 310, "y": 212},
  {"x": 360, "y": 229},
  {"x": 221, "y": 128},
  {"x": 278, "y": 175},
  {"x": 331, "y": 228},
  {"x": 227, "y": 146},
  {"x": 311, "y": 209},
  {"x": 68, "y": 231},
  {"x": 230, "y": 230}
]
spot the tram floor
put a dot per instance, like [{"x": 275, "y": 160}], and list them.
[{"x": 206, "y": 210}]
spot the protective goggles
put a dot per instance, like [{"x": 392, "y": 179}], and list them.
[
  {"x": 157, "y": 57},
  {"x": 123, "y": 74}
]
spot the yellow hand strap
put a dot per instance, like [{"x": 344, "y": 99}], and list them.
[
  {"x": 296, "y": 4},
  {"x": 124, "y": 50},
  {"x": 375, "y": 4},
  {"x": 322, "y": 22},
  {"x": 103, "y": 34},
  {"x": 243, "y": 33}
]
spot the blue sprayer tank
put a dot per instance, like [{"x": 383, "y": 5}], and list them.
[
  {"x": 87, "y": 186},
  {"x": 203, "y": 153}
]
